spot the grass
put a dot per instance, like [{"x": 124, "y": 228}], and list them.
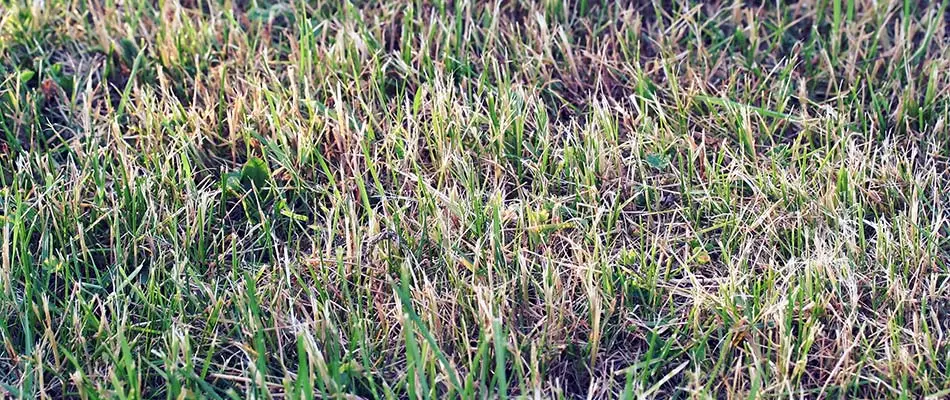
[{"x": 459, "y": 199}]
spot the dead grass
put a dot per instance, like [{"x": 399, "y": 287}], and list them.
[{"x": 205, "y": 199}]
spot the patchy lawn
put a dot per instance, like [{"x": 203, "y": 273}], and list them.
[{"x": 474, "y": 199}]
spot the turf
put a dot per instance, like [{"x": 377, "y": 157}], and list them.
[{"x": 474, "y": 199}]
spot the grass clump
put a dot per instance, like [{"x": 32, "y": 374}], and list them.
[{"x": 461, "y": 199}]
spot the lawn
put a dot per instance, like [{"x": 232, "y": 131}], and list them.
[{"x": 474, "y": 199}]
